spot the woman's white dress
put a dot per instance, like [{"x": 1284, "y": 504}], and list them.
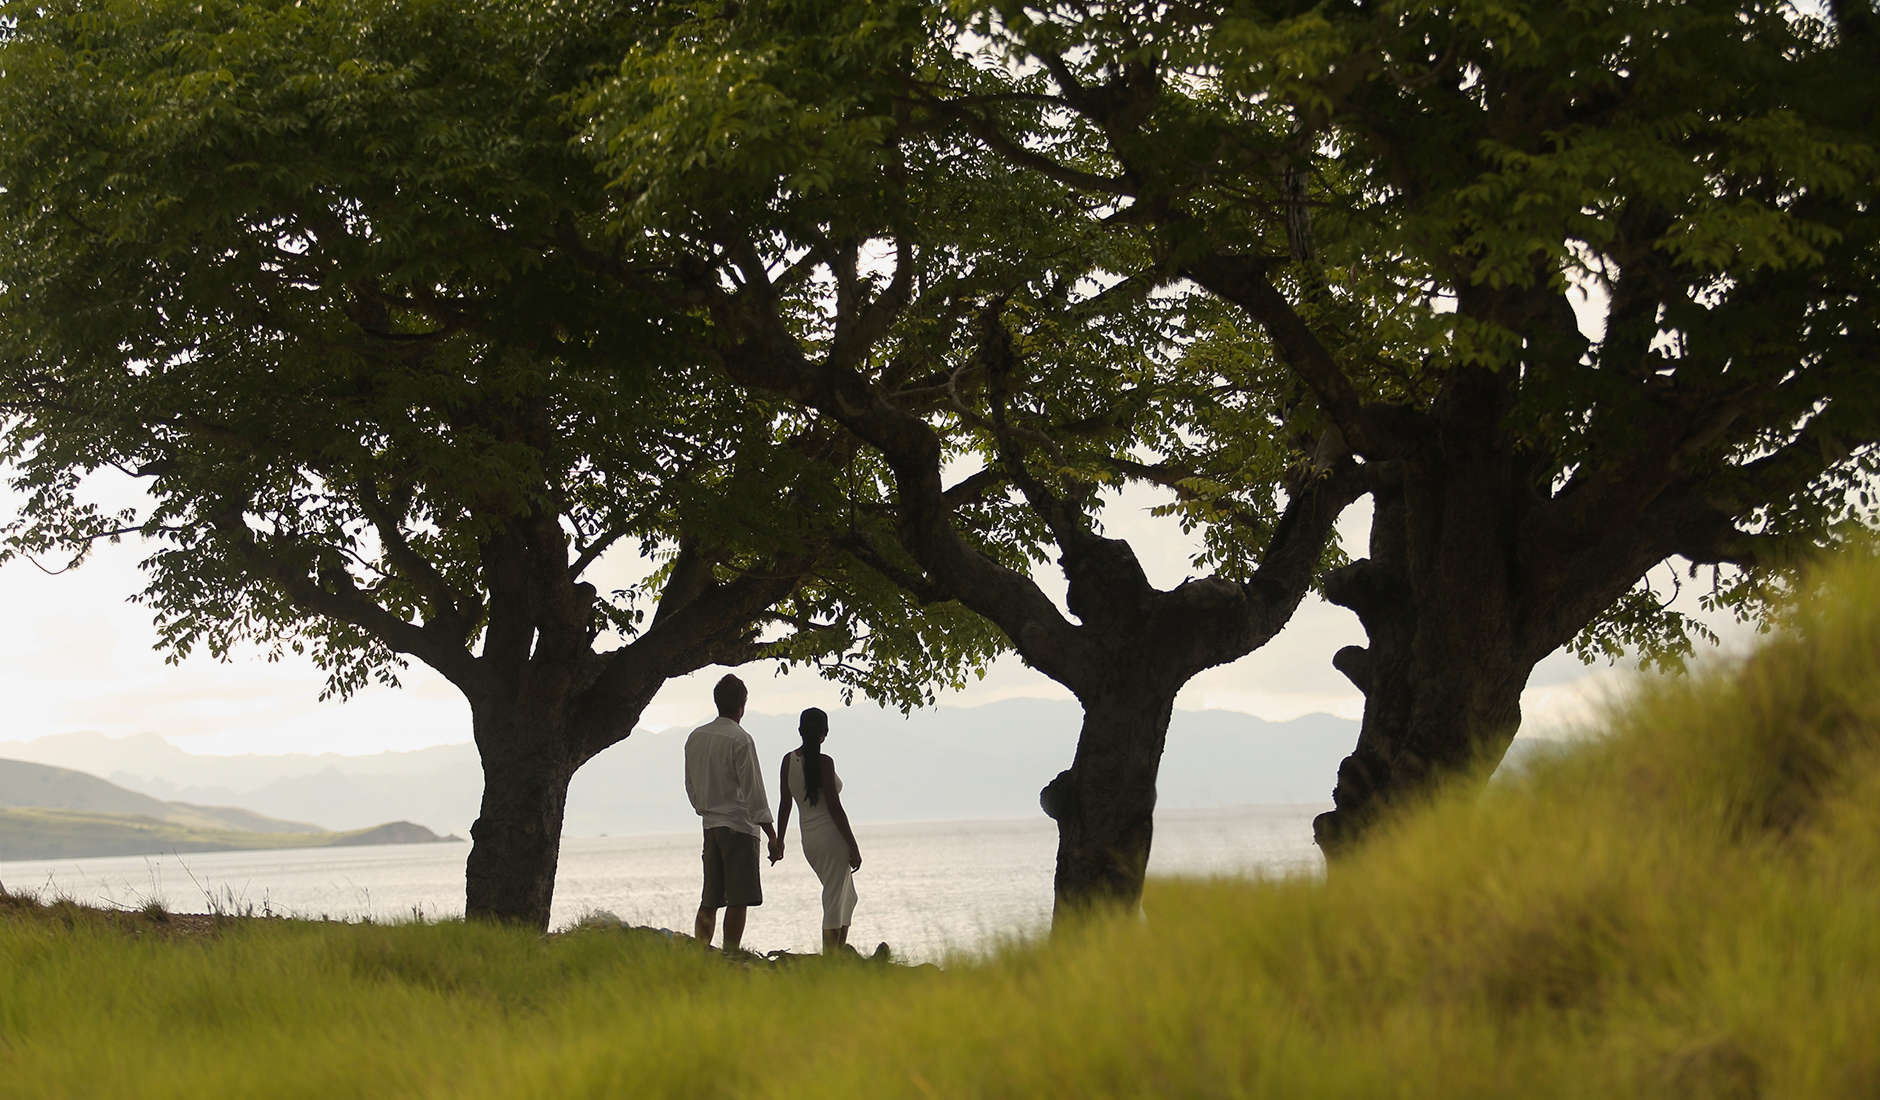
[{"x": 825, "y": 849}]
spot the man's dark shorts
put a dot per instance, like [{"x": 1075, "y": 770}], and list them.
[{"x": 730, "y": 869}]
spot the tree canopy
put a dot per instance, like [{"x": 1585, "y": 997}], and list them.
[
  {"x": 1404, "y": 201},
  {"x": 854, "y": 309},
  {"x": 305, "y": 271}
]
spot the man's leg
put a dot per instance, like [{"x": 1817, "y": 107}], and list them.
[
  {"x": 713, "y": 897},
  {"x": 743, "y": 883}
]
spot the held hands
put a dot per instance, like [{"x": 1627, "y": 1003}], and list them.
[{"x": 776, "y": 849}]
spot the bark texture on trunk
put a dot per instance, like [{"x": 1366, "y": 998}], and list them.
[
  {"x": 515, "y": 845},
  {"x": 1443, "y": 600},
  {"x": 1485, "y": 557},
  {"x": 1104, "y": 803},
  {"x": 1474, "y": 575},
  {"x": 1442, "y": 697}
]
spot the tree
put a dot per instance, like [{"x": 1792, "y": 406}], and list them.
[
  {"x": 304, "y": 270},
  {"x": 775, "y": 169},
  {"x": 1403, "y": 200}
]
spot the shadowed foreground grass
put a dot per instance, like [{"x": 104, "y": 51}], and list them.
[{"x": 1690, "y": 908}]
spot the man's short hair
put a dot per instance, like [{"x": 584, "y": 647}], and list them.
[{"x": 730, "y": 695}]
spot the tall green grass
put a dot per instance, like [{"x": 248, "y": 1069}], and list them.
[{"x": 1688, "y": 907}]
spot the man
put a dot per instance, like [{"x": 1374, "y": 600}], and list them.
[{"x": 727, "y": 789}]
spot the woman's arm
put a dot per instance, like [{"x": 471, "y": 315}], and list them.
[
  {"x": 838, "y": 815},
  {"x": 784, "y": 805}
]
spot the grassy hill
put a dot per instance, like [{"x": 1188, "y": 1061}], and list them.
[
  {"x": 41, "y": 833},
  {"x": 58, "y": 813},
  {"x": 26, "y": 785},
  {"x": 1684, "y": 908}
]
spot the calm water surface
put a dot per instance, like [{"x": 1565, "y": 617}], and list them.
[{"x": 928, "y": 889}]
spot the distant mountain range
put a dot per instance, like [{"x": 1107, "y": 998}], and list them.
[
  {"x": 438, "y": 787},
  {"x": 49, "y": 812},
  {"x": 948, "y": 763},
  {"x": 24, "y": 785}
]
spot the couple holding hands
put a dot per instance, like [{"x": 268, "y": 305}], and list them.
[{"x": 726, "y": 786}]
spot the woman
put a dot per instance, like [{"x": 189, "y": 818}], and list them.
[{"x": 809, "y": 779}]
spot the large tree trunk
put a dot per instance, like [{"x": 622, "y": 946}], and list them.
[
  {"x": 1104, "y": 804},
  {"x": 542, "y": 703},
  {"x": 1437, "y": 710},
  {"x": 1445, "y": 609},
  {"x": 515, "y": 844}
]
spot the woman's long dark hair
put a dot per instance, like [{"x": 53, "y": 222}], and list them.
[{"x": 814, "y": 726}]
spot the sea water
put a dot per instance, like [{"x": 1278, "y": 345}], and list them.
[{"x": 929, "y": 889}]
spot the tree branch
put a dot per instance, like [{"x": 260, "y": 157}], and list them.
[
  {"x": 691, "y": 575},
  {"x": 590, "y": 553},
  {"x": 974, "y": 487},
  {"x": 715, "y": 626},
  {"x": 453, "y": 609},
  {"x": 344, "y": 602},
  {"x": 922, "y": 588},
  {"x": 768, "y": 359},
  {"x": 996, "y": 140},
  {"x": 1245, "y": 282}
]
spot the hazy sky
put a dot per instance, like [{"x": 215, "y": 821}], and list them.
[{"x": 77, "y": 656}]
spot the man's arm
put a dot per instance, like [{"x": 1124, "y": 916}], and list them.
[
  {"x": 690, "y": 795},
  {"x": 751, "y": 786},
  {"x": 752, "y": 781}
]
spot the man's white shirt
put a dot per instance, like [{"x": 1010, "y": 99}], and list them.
[{"x": 722, "y": 777}]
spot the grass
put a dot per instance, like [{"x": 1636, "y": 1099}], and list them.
[{"x": 1689, "y": 907}]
